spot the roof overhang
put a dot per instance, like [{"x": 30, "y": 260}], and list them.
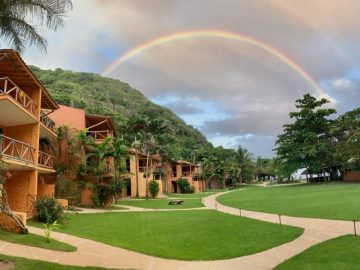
[{"x": 13, "y": 66}]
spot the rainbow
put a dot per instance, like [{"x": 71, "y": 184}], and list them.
[{"x": 215, "y": 34}]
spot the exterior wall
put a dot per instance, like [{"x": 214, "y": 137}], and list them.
[
  {"x": 350, "y": 177},
  {"x": 75, "y": 118},
  {"x": 44, "y": 189},
  {"x": 172, "y": 177},
  {"x": 141, "y": 179},
  {"x": 22, "y": 190}
]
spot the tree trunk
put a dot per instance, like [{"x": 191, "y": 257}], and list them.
[
  {"x": 4, "y": 208},
  {"x": 146, "y": 175},
  {"x": 137, "y": 174}
]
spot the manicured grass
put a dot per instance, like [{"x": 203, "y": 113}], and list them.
[
  {"x": 330, "y": 200},
  {"x": 339, "y": 253},
  {"x": 27, "y": 264},
  {"x": 161, "y": 203},
  {"x": 35, "y": 241},
  {"x": 185, "y": 235}
]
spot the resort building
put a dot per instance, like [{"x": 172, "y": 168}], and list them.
[
  {"x": 26, "y": 134},
  {"x": 99, "y": 128},
  {"x": 186, "y": 170},
  {"x": 136, "y": 177}
]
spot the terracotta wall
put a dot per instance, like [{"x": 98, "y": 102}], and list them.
[
  {"x": 350, "y": 177},
  {"x": 72, "y": 117},
  {"x": 22, "y": 189},
  {"x": 141, "y": 180}
]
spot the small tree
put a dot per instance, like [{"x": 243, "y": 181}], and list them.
[{"x": 154, "y": 188}]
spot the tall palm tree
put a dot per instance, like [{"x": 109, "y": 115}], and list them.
[
  {"x": 244, "y": 160},
  {"x": 19, "y": 20}
]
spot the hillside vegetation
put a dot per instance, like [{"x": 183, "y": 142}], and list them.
[{"x": 100, "y": 95}]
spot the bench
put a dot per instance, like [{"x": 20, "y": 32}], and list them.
[{"x": 176, "y": 202}]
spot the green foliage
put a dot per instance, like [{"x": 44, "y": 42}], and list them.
[
  {"x": 306, "y": 142},
  {"x": 154, "y": 188},
  {"x": 21, "y": 19},
  {"x": 183, "y": 185},
  {"x": 48, "y": 228},
  {"x": 134, "y": 115},
  {"x": 100, "y": 193},
  {"x": 48, "y": 210}
]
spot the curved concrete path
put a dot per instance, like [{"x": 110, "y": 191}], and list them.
[{"x": 91, "y": 253}]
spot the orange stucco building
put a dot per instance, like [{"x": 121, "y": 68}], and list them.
[
  {"x": 26, "y": 133},
  {"x": 98, "y": 127},
  {"x": 136, "y": 177},
  {"x": 183, "y": 169}
]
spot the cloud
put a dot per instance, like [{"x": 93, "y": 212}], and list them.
[
  {"x": 182, "y": 108},
  {"x": 342, "y": 84},
  {"x": 251, "y": 90}
]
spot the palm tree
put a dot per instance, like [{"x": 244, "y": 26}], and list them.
[
  {"x": 100, "y": 152},
  {"x": 18, "y": 24},
  {"x": 83, "y": 140},
  {"x": 244, "y": 161}
]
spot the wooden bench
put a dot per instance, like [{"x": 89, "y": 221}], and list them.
[{"x": 176, "y": 202}]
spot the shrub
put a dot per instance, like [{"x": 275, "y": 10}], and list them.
[
  {"x": 48, "y": 210},
  {"x": 183, "y": 184},
  {"x": 191, "y": 189},
  {"x": 154, "y": 188},
  {"x": 99, "y": 194}
]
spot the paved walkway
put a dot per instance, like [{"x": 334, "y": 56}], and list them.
[{"x": 91, "y": 253}]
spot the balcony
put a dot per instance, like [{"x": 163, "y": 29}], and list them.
[
  {"x": 46, "y": 160},
  {"x": 99, "y": 135},
  {"x": 50, "y": 124},
  {"x": 16, "y": 150},
  {"x": 10, "y": 89}
]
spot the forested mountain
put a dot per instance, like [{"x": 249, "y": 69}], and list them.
[{"x": 100, "y": 95}]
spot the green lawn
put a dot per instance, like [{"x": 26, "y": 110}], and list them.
[
  {"x": 331, "y": 201},
  {"x": 27, "y": 264},
  {"x": 162, "y": 203},
  {"x": 339, "y": 253},
  {"x": 191, "y": 195},
  {"x": 185, "y": 235},
  {"x": 34, "y": 241}
]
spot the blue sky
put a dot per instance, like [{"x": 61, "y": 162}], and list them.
[{"x": 234, "y": 93}]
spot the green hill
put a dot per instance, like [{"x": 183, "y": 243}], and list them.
[{"x": 100, "y": 95}]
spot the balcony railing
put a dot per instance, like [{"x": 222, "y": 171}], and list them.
[
  {"x": 50, "y": 124},
  {"x": 8, "y": 87},
  {"x": 15, "y": 149},
  {"x": 186, "y": 174},
  {"x": 99, "y": 135},
  {"x": 46, "y": 160}
]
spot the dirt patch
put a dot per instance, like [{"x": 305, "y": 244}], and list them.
[{"x": 6, "y": 265}]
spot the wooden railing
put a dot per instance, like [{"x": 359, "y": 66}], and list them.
[
  {"x": 8, "y": 87},
  {"x": 15, "y": 149},
  {"x": 186, "y": 173},
  {"x": 99, "y": 135},
  {"x": 50, "y": 124},
  {"x": 46, "y": 160}
]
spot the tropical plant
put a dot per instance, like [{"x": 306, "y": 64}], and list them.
[
  {"x": 19, "y": 20},
  {"x": 48, "y": 210},
  {"x": 154, "y": 188},
  {"x": 183, "y": 185},
  {"x": 50, "y": 227},
  {"x": 244, "y": 160}
]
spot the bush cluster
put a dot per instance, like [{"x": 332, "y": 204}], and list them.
[
  {"x": 48, "y": 210},
  {"x": 184, "y": 186}
]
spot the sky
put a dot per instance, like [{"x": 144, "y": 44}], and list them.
[{"x": 234, "y": 92}]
